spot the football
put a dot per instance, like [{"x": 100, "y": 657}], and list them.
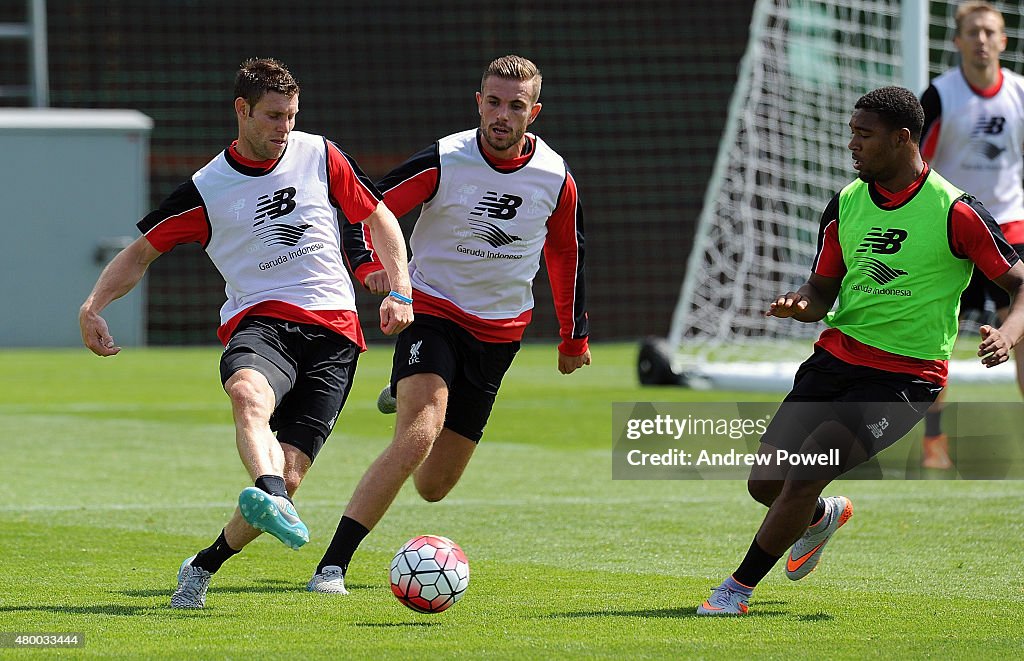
[{"x": 429, "y": 573}]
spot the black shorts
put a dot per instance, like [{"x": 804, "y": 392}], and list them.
[
  {"x": 856, "y": 410},
  {"x": 984, "y": 295},
  {"x": 309, "y": 367},
  {"x": 472, "y": 369}
]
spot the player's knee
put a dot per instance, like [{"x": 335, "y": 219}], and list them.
[
  {"x": 432, "y": 490},
  {"x": 247, "y": 395},
  {"x": 764, "y": 491}
]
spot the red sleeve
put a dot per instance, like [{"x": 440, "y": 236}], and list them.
[
  {"x": 181, "y": 218},
  {"x": 350, "y": 190},
  {"x": 931, "y": 140},
  {"x": 563, "y": 256},
  {"x": 976, "y": 236},
  {"x": 411, "y": 192},
  {"x": 829, "y": 261},
  {"x": 413, "y": 182}
]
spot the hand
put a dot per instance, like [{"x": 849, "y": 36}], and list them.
[
  {"x": 96, "y": 335},
  {"x": 569, "y": 364},
  {"x": 378, "y": 282},
  {"x": 994, "y": 348},
  {"x": 395, "y": 316},
  {"x": 787, "y": 305}
]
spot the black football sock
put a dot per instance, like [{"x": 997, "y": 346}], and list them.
[
  {"x": 755, "y": 566},
  {"x": 212, "y": 557},
  {"x": 347, "y": 538},
  {"x": 933, "y": 423},
  {"x": 272, "y": 484}
]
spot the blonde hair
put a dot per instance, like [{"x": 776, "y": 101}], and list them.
[
  {"x": 967, "y": 8},
  {"x": 514, "y": 67}
]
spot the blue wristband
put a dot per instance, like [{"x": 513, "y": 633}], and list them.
[{"x": 400, "y": 298}]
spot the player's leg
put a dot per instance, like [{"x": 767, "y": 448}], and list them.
[
  {"x": 420, "y": 418},
  {"x": 470, "y": 401},
  {"x": 325, "y": 366},
  {"x": 423, "y": 366},
  {"x": 260, "y": 366},
  {"x": 935, "y": 443},
  {"x": 444, "y": 466},
  {"x": 879, "y": 408},
  {"x": 973, "y": 302},
  {"x": 791, "y": 506},
  {"x": 196, "y": 571},
  {"x": 238, "y": 533},
  {"x": 254, "y": 383}
]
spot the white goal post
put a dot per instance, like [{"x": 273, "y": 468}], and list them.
[{"x": 781, "y": 158}]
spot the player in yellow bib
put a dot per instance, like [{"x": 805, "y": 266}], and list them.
[{"x": 896, "y": 249}]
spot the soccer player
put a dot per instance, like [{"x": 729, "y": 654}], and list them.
[
  {"x": 974, "y": 136},
  {"x": 896, "y": 249},
  {"x": 269, "y": 212},
  {"x": 493, "y": 198}
]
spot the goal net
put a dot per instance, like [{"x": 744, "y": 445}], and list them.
[{"x": 782, "y": 157}]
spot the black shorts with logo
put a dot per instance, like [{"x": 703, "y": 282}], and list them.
[
  {"x": 309, "y": 367},
  {"x": 472, "y": 369},
  {"x": 858, "y": 410}
]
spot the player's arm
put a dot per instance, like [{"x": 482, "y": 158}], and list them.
[
  {"x": 181, "y": 218},
  {"x": 396, "y": 308},
  {"x": 563, "y": 257},
  {"x": 975, "y": 235},
  {"x": 357, "y": 249},
  {"x": 403, "y": 189},
  {"x": 812, "y": 301},
  {"x": 118, "y": 278},
  {"x": 996, "y": 342}
]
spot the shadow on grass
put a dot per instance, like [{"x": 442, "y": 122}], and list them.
[
  {"x": 683, "y": 612},
  {"x": 98, "y": 609},
  {"x": 391, "y": 625},
  {"x": 263, "y": 586}
]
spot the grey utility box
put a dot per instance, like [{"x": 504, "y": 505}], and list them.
[{"x": 75, "y": 183}]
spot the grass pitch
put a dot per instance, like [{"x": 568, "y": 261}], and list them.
[{"x": 117, "y": 469}]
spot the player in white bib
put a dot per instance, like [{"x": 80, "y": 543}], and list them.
[
  {"x": 270, "y": 211},
  {"x": 974, "y": 137},
  {"x": 493, "y": 199}
]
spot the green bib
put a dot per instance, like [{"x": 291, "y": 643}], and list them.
[{"x": 901, "y": 291}]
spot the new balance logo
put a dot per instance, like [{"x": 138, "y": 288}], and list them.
[
  {"x": 989, "y": 125},
  {"x": 414, "y": 352},
  {"x": 879, "y": 271},
  {"x": 878, "y": 242},
  {"x": 987, "y": 149},
  {"x": 492, "y": 234},
  {"x": 877, "y": 429},
  {"x": 500, "y": 208},
  {"x": 282, "y": 235},
  {"x": 272, "y": 207}
]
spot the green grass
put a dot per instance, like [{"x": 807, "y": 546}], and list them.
[{"x": 117, "y": 469}]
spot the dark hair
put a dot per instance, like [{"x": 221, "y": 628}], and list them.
[
  {"x": 257, "y": 76},
  {"x": 898, "y": 108}
]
